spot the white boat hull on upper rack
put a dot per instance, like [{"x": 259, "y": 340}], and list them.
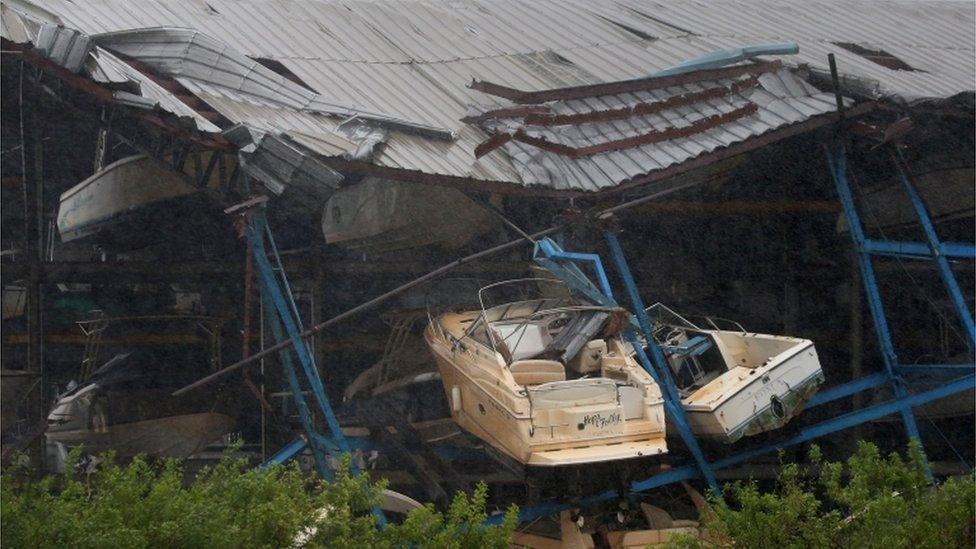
[
  {"x": 130, "y": 200},
  {"x": 378, "y": 216}
]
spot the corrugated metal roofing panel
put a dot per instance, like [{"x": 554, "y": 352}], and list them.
[{"x": 414, "y": 59}]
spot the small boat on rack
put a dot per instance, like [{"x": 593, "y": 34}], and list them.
[
  {"x": 125, "y": 404},
  {"x": 548, "y": 381},
  {"x": 132, "y": 201},
  {"x": 736, "y": 383}
]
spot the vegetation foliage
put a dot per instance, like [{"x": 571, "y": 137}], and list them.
[
  {"x": 144, "y": 504},
  {"x": 871, "y": 501}
]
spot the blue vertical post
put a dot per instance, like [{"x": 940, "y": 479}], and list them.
[
  {"x": 304, "y": 413},
  {"x": 935, "y": 245},
  {"x": 284, "y": 314},
  {"x": 837, "y": 161},
  {"x": 669, "y": 390},
  {"x": 269, "y": 285}
]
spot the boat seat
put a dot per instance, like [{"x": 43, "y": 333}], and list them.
[{"x": 537, "y": 372}]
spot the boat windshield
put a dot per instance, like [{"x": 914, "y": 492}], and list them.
[
  {"x": 662, "y": 315},
  {"x": 524, "y": 318}
]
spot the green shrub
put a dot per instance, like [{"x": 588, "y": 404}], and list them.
[
  {"x": 229, "y": 505},
  {"x": 871, "y": 501}
]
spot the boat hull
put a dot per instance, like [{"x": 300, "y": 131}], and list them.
[
  {"x": 134, "y": 202},
  {"x": 378, "y": 216},
  {"x": 173, "y": 436},
  {"x": 583, "y": 434},
  {"x": 748, "y": 401}
]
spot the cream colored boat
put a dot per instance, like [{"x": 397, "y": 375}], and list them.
[
  {"x": 548, "y": 381},
  {"x": 736, "y": 383}
]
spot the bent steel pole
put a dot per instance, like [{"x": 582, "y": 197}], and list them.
[
  {"x": 382, "y": 298},
  {"x": 659, "y": 364},
  {"x": 936, "y": 250}
]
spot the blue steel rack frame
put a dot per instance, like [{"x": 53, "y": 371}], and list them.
[
  {"x": 958, "y": 377},
  {"x": 285, "y": 323}
]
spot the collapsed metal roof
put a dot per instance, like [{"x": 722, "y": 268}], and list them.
[
  {"x": 591, "y": 138},
  {"x": 386, "y": 84}
]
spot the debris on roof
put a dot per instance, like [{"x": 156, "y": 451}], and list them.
[{"x": 598, "y": 136}]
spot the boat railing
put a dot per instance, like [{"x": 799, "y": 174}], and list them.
[
  {"x": 507, "y": 306},
  {"x": 662, "y": 314},
  {"x": 712, "y": 321}
]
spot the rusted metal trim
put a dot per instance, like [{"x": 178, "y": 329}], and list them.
[
  {"x": 618, "y": 144},
  {"x": 673, "y": 133},
  {"x": 469, "y": 183},
  {"x": 491, "y": 144},
  {"x": 743, "y": 147},
  {"x": 508, "y": 112},
  {"x": 642, "y": 109},
  {"x": 625, "y": 86},
  {"x": 105, "y": 95}
]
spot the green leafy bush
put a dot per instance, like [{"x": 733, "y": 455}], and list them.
[
  {"x": 229, "y": 505},
  {"x": 871, "y": 501}
]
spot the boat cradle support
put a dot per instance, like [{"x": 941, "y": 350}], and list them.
[{"x": 806, "y": 434}]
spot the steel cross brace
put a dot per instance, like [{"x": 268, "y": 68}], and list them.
[
  {"x": 283, "y": 325},
  {"x": 937, "y": 251},
  {"x": 561, "y": 263},
  {"x": 837, "y": 162},
  {"x": 657, "y": 363},
  {"x": 550, "y": 256}
]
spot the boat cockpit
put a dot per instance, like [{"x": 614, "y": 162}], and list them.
[{"x": 556, "y": 337}]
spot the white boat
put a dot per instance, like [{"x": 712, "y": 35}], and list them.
[
  {"x": 129, "y": 199},
  {"x": 547, "y": 381},
  {"x": 126, "y": 404},
  {"x": 379, "y": 215},
  {"x": 736, "y": 383}
]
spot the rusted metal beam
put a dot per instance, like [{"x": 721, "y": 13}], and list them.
[
  {"x": 508, "y": 112},
  {"x": 626, "y": 86},
  {"x": 643, "y": 108},
  {"x": 617, "y": 144},
  {"x": 502, "y": 187},
  {"x": 743, "y": 147},
  {"x": 105, "y": 95},
  {"x": 347, "y": 166}
]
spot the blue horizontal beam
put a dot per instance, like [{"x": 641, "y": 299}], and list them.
[
  {"x": 917, "y": 250},
  {"x": 286, "y": 453},
  {"x": 935, "y": 369},
  {"x": 806, "y": 434},
  {"x": 847, "y": 389}
]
